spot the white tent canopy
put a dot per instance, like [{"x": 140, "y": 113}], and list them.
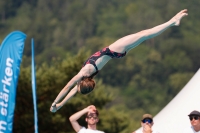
[{"x": 173, "y": 118}]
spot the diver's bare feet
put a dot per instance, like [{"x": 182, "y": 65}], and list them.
[{"x": 177, "y": 18}]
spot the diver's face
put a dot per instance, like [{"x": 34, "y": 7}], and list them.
[{"x": 78, "y": 87}]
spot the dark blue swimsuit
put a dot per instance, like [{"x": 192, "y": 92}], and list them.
[{"x": 97, "y": 55}]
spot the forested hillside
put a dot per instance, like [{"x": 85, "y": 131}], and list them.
[{"x": 67, "y": 32}]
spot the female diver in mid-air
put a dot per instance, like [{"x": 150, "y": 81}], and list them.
[{"x": 83, "y": 82}]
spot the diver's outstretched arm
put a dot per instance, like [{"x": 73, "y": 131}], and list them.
[{"x": 57, "y": 106}]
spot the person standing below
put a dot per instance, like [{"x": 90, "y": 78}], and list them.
[
  {"x": 146, "y": 124},
  {"x": 91, "y": 119},
  {"x": 194, "y": 117}
]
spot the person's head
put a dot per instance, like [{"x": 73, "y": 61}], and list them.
[
  {"x": 194, "y": 117},
  {"x": 147, "y": 119},
  {"x": 92, "y": 117},
  {"x": 86, "y": 85}
]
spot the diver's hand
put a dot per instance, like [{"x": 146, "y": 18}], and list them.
[{"x": 54, "y": 107}]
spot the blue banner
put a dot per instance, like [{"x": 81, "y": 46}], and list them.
[{"x": 11, "y": 51}]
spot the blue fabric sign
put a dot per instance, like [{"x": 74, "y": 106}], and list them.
[{"x": 11, "y": 51}]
